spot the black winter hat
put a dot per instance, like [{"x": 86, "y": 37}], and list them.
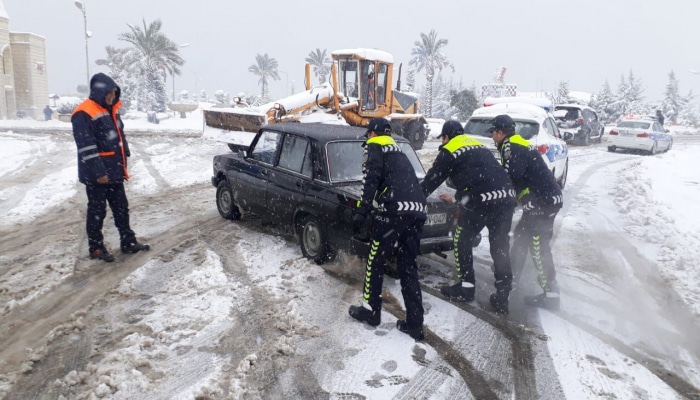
[
  {"x": 503, "y": 123},
  {"x": 451, "y": 129},
  {"x": 380, "y": 126}
]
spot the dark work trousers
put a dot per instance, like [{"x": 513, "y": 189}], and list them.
[
  {"x": 534, "y": 232},
  {"x": 98, "y": 197},
  {"x": 406, "y": 230},
  {"x": 497, "y": 219}
]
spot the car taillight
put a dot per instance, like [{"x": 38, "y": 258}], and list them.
[
  {"x": 643, "y": 135},
  {"x": 580, "y": 121},
  {"x": 543, "y": 148},
  {"x": 613, "y": 133}
]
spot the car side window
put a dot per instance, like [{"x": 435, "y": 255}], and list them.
[
  {"x": 296, "y": 155},
  {"x": 265, "y": 149},
  {"x": 550, "y": 128}
]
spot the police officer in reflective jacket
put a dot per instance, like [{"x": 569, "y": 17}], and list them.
[
  {"x": 390, "y": 189},
  {"x": 102, "y": 152},
  {"x": 486, "y": 199},
  {"x": 541, "y": 199}
]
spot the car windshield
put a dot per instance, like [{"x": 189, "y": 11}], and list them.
[
  {"x": 480, "y": 127},
  {"x": 345, "y": 160},
  {"x": 634, "y": 124}
]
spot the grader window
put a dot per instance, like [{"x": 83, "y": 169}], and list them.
[{"x": 348, "y": 78}]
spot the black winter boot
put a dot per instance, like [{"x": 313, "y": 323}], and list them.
[
  {"x": 101, "y": 254},
  {"x": 362, "y": 314},
  {"x": 462, "y": 291},
  {"x": 134, "y": 247},
  {"x": 499, "y": 301},
  {"x": 415, "y": 332}
]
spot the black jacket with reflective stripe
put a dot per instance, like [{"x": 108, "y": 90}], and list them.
[
  {"x": 390, "y": 184},
  {"x": 528, "y": 171},
  {"x": 473, "y": 171}
]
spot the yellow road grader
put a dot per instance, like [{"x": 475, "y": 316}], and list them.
[{"x": 360, "y": 89}]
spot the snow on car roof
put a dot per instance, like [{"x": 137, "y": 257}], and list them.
[
  {"x": 515, "y": 110},
  {"x": 573, "y": 105},
  {"x": 540, "y": 102},
  {"x": 370, "y": 54}
]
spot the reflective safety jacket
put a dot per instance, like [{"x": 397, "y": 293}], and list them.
[
  {"x": 389, "y": 183},
  {"x": 99, "y": 135},
  {"x": 473, "y": 171},
  {"x": 531, "y": 177}
]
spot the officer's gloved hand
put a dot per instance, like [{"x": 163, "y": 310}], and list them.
[{"x": 358, "y": 221}]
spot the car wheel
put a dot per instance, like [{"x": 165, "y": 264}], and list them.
[
  {"x": 586, "y": 139},
  {"x": 562, "y": 181},
  {"x": 612, "y": 149},
  {"x": 224, "y": 202},
  {"x": 654, "y": 148},
  {"x": 670, "y": 144},
  {"x": 313, "y": 240}
]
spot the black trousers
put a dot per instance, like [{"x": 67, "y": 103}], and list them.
[
  {"x": 497, "y": 219},
  {"x": 98, "y": 197},
  {"x": 534, "y": 232},
  {"x": 406, "y": 230}
]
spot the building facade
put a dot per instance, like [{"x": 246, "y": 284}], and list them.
[{"x": 24, "y": 85}]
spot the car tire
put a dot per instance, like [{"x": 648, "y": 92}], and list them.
[
  {"x": 586, "y": 139},
  {"x": 562, "y": 181},
  {"x": 415, "y": 133},
  {"x": 612, "y": 149},
  {"x": 654, "y": 148},
  {"x": 224, "y": 202},
  {"x": 670, "y": 144},
  {"x": 313, "y": 240}
]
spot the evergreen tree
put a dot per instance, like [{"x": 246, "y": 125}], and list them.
[
  {"x": 690, "y": 112},
  {"x": 621, "y": 105},
  {"x": 673, "y": 103},
  {"x": 635, "y": 97},
  {"x": 427, "y": 55},
  {"x": 321, "y": 64},
  {"x": 604, "y": 103},
  {"x": 265, "y": 67},
  {"x": 465, "y": 102}
]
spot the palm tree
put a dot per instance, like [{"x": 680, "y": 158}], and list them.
[
  {"x": 427, "y": 55},
  {"x": 152, "y": 57},
  {"x": 154, "y": 47},
  {"x": 265, "y": 67},
  {"x": 321, "y": 63}
]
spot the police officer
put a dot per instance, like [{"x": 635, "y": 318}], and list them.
[
  {"x": 390, "y": 189},
  {"x": 541, "y": 198},
  {"x": 486, "y": 199},
  {"x": 102, "y": 152}
]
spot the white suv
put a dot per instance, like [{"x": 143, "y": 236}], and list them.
[{"x": 532, "y": 123}]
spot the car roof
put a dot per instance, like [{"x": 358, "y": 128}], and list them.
[
  {"x": 648, "y": 120},
  {"x": 573, "y": 106},
  {"x": 323, "y": 132},
  {"x": 514, "y": 110}
]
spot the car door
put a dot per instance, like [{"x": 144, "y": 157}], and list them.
[
  {"x": 290, "y": 180},
  {"x": 660, "y": 135},
  {"x": 251, "y": 187},
  {"x": 591, "y": 119}
]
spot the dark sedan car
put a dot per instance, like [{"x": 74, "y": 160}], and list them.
[{"x": 309, "y": 177}]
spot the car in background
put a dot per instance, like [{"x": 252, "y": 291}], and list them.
[
  {"x": 581, "y": 121},
  {"x": 533, "y": 123},
  {"x": 643, "y": 134}
]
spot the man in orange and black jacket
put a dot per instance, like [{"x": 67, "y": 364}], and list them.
[{"x": 102, "y": 153}]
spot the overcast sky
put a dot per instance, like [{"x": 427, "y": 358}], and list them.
[{"x": 540, "y": 42}]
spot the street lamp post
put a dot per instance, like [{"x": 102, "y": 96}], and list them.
[{"x": 81, "y": 6}]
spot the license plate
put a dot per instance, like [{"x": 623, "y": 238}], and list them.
[
  {"x": 436, "y": 219},
  {"x": 627, "y": 133}
]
